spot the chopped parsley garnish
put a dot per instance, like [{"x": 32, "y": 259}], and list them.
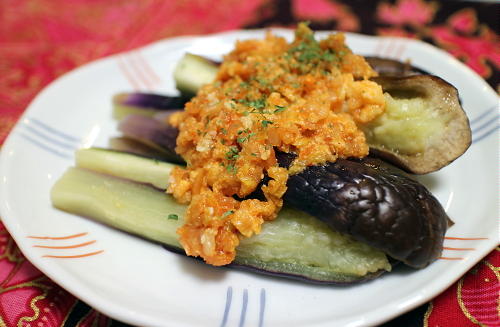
[
  {"x": 279, "y": 109},
  {"x": 232, "y": 154},
  {"x": 257, "y": 104},
  {"x": 244, "y": 138},
  {"x": 231, "y": 168},
  {"x": 227, "y": 213},
  {"x": 265, "y": 123},
  {"x": 307, "y": 55},
  {"x": 173, "y": 216}
]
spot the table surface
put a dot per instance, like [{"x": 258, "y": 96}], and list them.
[{"x": 40, "y": 40}]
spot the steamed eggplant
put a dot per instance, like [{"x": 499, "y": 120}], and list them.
[
  {"x": 373, "y": 203},
  {"x": 295, "y": 245},
  {"x": 365, "y": 209},
  {"x": 376, "y": 205},
  {"x": 424, "y": 108}
]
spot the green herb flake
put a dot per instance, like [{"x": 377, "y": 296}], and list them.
[
  {"x": 173, "y": 216},
  {"x": 265, "y": 123},
  {"x": 227, "y": 213},
  {"x": 279, "y": 109},
  {"x": 244, "y": 138},
  {"x": 231, "y": 169},
  {"x": 232, "y": 154},
  {"x": 262, "y": 81}
]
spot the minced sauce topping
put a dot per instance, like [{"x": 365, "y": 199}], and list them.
[{"x": 305, "y": 97}]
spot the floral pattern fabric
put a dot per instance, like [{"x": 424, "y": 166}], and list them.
[{"x": 42, "y": 39}]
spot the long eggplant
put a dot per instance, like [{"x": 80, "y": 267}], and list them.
[
  {"x": 374, "y": 204},
  {"x": 118, "y": 189},
  {"x": 367, "y": 199}
]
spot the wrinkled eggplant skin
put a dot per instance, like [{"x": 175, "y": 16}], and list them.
[{"x": 375, "y": 205}]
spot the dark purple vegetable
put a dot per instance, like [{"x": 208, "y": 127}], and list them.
[
  {"x": 151, "y": 100},
  {"x": 152, "y": 133},
  {"x": 392, "y": 67},
  {"x": 146, "y": 104},
  {"x": 375, "y": 205}
]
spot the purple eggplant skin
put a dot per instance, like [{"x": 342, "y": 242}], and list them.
[
  {"x": 151, "y": 100},
  {"x": 392, "y": 67},
  {"x": 376, "y": 205},
  {"x": 152, "y": 133},
  {"x": 145, "y": 104}
]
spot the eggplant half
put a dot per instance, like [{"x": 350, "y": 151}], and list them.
[
  {"x": 126, "y": 192},
  {"x": 423, "y": 129},
  {"x": 376, "y": 205}
]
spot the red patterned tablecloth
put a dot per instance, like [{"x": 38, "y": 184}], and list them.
[{"x": 41, "y": 39}]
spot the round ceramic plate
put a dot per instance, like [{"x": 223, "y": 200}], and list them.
[{"x": 142, "y": 284}]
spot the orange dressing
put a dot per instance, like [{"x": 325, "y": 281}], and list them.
[{"x": 304, "y": 97}]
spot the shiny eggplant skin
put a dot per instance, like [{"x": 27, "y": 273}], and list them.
[{"x": 375, "y": 205}]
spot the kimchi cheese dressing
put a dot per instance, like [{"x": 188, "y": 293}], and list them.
[{"x": 304, "y": 97}]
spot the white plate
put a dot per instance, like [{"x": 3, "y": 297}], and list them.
[{"x": 140, "y": 283}]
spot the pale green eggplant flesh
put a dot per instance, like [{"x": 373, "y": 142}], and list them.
[{"x": 295, "y": 245}]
